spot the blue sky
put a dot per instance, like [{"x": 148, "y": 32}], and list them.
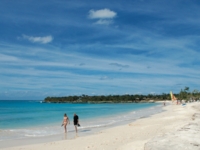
[{"x": 65, "y": 47}]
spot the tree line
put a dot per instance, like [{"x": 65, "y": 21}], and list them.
[{"x": 183, "y": 94}]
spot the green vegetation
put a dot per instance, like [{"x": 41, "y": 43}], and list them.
[
  {"x": 187, "y": 95},
  {"x": 184, "y": 94}
]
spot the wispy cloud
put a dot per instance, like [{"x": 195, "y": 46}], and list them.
[
  {"x": 7, "y": 58},
  {"x": 119, "y": 65},
  {"x": 81, "y": 64},
  {"x": 105, "y": 78},
  {"x": 104, "y": 21},
  {"x": 42, "y": 40},
  {"x": 103, "y": 16}
]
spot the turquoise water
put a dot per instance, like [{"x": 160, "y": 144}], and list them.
[{"x": 32, "y": 118}]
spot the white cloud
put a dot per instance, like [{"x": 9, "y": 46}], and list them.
[
  {"x": 102, "y": 14},
  {"x": 104, "y": 21},
  {"x": 105, "y": 16},
  {"x": 43, "y": 40}
]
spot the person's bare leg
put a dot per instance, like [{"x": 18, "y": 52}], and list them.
[
  {"x": 76, "y": 129},
  {"x": 65, "y": 128}
]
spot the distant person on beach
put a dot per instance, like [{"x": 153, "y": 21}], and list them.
[
  {"x": 65, "y": 122},
  {"x": 76, "y": 122},
  {"x": 164, "y": 103}
]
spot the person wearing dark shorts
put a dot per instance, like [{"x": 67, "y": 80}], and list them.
[{"x": 76, "y": 122}]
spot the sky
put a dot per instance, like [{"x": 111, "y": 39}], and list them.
[{"x": 75, "y": 47}]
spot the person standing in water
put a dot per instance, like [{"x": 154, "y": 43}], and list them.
[
  {"x": 76, "y": 122},
  {"x": 164, "y": 103},
  {"x": 65, "y": 122}
]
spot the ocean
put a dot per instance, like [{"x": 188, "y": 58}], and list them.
[{"x": 25, "y": 119}]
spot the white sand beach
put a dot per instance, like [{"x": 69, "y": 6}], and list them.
[{"x": 176, "y": 128}]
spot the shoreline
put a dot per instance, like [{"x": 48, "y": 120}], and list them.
[
  {"x": 32, "y": 118},
  {"x": 87, "y": 129},
  {"x": 139, "y": 134}
]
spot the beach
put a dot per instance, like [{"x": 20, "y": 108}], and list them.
[{"x": 177, "y": 127}]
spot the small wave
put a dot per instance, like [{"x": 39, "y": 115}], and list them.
[
  {"x": 133, "y": 112},
  {"x": 99, "y": 125},
  {"x": 34, "y": 135},
  {"x": 152, "y": 108}
]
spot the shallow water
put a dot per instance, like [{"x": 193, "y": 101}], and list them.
[{"x": 24, "y": 119}]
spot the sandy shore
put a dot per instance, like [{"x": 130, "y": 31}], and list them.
[{"x": 176, "y": 128}]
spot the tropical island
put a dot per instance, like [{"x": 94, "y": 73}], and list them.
[{"x": 184, "y": 94}]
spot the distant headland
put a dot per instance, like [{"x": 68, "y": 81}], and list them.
[
  {"x": 137, "y": 98},
  {"x": 99, "y": 99}
]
